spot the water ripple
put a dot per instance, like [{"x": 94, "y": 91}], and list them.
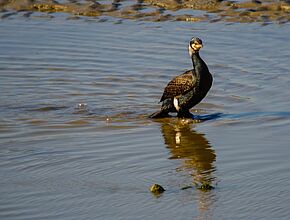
[{"x": 76, "y": 142}]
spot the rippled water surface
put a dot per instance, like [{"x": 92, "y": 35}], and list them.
[{"x": 76, "y": 142}]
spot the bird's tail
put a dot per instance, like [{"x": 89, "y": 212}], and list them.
[
  {"x": 159, "y": 114},
  {"x": 167, "y": 106}
]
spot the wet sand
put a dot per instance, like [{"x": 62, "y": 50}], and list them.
[{"x": 76, "y": 142}]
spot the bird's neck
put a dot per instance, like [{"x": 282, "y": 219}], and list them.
[{"x": 199, "y": 65}]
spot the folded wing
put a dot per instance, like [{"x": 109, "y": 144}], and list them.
[{"x": 179, "y": 85}]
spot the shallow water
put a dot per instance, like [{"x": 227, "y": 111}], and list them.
[{"x": 76, "y": 142}]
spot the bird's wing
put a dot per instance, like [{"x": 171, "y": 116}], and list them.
[{"x": 179, "y": 85}]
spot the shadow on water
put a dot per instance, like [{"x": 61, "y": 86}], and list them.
[{"x": 207, "y": 117}]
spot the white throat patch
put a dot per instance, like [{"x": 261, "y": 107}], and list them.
[{"x": 190, "y": 51}]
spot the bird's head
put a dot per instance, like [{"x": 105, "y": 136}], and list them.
[{"x": 194, "y": 45}]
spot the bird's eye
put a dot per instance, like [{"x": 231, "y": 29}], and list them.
[
  {"x": 198, "y": 40},
  {"x": 192, "y": 42}
]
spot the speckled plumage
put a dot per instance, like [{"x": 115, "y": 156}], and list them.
[{"x": 179, "y": 85}]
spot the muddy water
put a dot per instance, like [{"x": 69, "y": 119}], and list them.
[{"x": 76, "y": 142}]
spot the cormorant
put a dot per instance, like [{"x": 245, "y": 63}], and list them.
[{"x": 188, "y": 89}]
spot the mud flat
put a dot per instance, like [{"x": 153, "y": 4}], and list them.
[{"x": 160, "y": 10}]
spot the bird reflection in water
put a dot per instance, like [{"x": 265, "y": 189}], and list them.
[
  {"x": 196, "y": 154},
  {"x": 193, "y": 148}
]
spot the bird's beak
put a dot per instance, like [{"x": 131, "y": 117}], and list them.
[{"x": 196, "y": 46}]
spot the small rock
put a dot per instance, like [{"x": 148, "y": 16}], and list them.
[
  {"x": 156, "y": 189},
  {"x": 205, "y": 187}
]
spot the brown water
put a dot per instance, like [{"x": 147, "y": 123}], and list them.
[{"x": 76, "y": 142}]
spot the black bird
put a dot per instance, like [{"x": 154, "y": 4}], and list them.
[{"x": 188, "y": 89}]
